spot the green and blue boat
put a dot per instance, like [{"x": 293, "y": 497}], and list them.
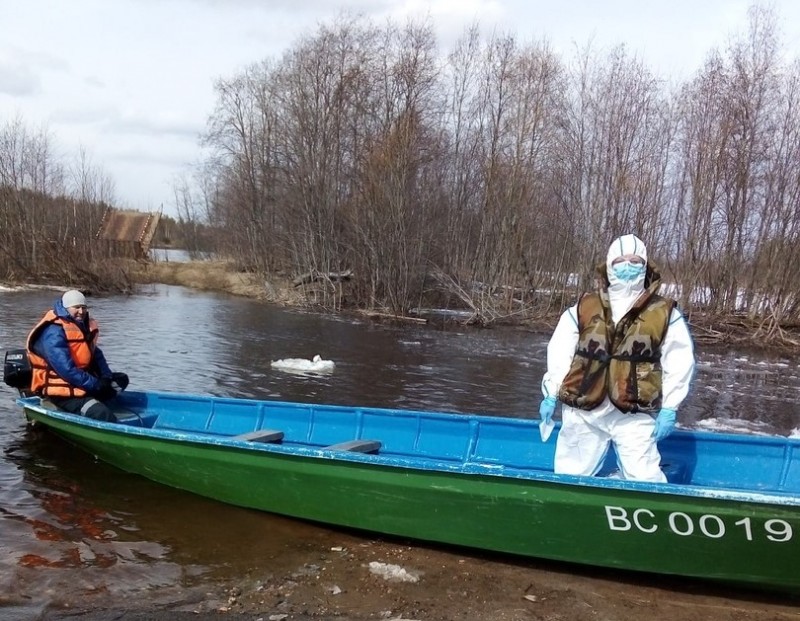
[{"x": 729, "y": 513}]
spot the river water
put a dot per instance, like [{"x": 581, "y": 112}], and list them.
[{"x": 71, "y": 526}]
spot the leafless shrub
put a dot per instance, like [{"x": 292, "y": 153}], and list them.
[{"x": 495, "y": 179}]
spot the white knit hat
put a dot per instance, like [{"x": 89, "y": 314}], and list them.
[{"x": 73, "y": 297}]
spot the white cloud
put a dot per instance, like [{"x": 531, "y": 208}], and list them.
[
  {"x": 17, "y": 81},
  {"x": 132, "y": 80},
  {"x": 109, "y": 119}
]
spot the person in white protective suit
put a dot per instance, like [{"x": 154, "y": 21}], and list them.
[{"x": 621, "y": 362}]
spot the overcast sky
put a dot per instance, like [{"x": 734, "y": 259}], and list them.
[{"x": 131, "y": 81}]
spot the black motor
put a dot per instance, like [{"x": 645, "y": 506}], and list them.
[{"x": 17, "y": 371}]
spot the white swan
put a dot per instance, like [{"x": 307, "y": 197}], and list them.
[{"x": 303, "y": 365}]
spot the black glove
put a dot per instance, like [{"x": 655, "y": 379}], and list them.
[
  {"x": 106, "y": 391},
  {"x": 120, "y": 380}
]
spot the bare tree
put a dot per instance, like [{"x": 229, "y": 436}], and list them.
[{"x": 503, "y": 172}]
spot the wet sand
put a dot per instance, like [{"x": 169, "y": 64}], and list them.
[{"x": 432, "y": 584}]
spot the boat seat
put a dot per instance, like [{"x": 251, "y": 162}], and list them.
[
  {"x": 358, "y": 446},
  {"x": 260, "y": 435}
]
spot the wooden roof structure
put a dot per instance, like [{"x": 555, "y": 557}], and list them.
[{"x": 134, "y": 229}]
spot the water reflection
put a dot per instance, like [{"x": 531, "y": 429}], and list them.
[
  {"x": 171, "y": 338},
  {"x": 745, "y": 392},
  {"x": 177, "y": 255},
  {"x": 63, "y": 537}
]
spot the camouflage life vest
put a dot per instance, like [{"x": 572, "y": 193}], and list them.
[{"x": 622, "y": 361}]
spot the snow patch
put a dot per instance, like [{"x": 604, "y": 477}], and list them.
[{"x": 393, "y": 573}]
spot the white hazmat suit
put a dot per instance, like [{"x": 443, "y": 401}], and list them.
[{"x": 586, "y": 435}]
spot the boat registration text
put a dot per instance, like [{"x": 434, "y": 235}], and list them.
[{"x": 707, "y": 525}]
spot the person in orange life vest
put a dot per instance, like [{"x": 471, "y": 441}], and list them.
[
  {"x": 621, "y": 361},
  {"x": 69, "y": 368}
]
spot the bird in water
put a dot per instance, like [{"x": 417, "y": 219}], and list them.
[{"x": 303, "y": 365}]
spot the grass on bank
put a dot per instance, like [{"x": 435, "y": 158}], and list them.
[
  {"x": 218, "y": 276},
  {"x": 222, "y": 276}
]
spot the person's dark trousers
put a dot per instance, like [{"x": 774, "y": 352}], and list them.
[{"x": 85, "y": 406}]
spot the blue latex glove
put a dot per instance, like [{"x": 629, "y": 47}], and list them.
[
  {"x": 665, "y": 424},
  {"x": 546, "y": 409}
]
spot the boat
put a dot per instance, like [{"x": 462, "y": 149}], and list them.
[{"x": 730, "y": 511}]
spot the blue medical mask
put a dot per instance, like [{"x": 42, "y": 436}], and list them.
[{"x": 627, "y": 271}]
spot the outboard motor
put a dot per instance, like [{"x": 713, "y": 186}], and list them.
[{"x": 17, "y": 371}]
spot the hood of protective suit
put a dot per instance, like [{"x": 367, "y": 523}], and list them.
[{"x": 622, "y": 294}]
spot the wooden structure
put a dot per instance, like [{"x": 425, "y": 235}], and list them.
[{"x": 128, "y": 233}]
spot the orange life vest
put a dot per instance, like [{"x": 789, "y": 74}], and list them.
[{"x": 46, "y": 381}]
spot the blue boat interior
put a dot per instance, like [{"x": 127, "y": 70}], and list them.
[{"x": 714, "y": 460}]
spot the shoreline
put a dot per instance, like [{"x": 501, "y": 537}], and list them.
[
  {"x": 219, "y": 276},
  {"x": 732, "y": 332},
  {"x": 453, "y": 585}
]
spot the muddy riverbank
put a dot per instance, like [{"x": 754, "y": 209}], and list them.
[{"x": 366, "y": 580}]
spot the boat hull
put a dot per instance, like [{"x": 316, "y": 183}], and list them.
[{"x": 561, "y": 518}]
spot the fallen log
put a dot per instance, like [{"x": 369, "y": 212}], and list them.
[
  {"x": 310, "y": 277},
  {"x": 393, "y": 317}
]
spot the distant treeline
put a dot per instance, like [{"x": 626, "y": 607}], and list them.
[
  {"x": 51, "y": 211},
  {"x": 498, "y": 171},
  {"x": 192, "y": 235},
  {"x": 491, "y": 176}
]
